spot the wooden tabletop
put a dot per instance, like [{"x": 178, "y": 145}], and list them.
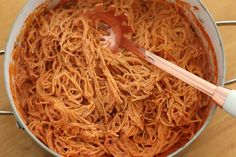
[{"x": 219, "y": 138}]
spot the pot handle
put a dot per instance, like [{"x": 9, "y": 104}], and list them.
[
  {"x": 5, "y": 112},
  {"x": 227, "y": 23},
  {"x": 2, "y": 52}
]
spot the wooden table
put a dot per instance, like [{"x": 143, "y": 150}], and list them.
[{"x": 219, "y": 139}]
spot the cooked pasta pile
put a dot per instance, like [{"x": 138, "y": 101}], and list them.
[{"x": 80, "y": 99}]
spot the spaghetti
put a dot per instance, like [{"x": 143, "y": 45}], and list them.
[{"x": 80, "y": 99}]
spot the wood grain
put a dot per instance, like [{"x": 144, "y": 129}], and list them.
[{"x": 217, "y": 140}]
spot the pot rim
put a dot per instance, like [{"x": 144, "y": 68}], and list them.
[{"x": 23, "y": 125}]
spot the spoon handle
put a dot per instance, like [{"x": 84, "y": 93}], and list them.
[{"x": 223, "y": 97}]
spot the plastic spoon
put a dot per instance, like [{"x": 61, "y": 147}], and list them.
[{"x": 223, "y": 97}]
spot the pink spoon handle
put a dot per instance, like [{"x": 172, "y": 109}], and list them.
[{"x": 219, "y": 94}]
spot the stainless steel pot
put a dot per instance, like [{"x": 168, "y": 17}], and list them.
[{"x": 202, "y": 14}]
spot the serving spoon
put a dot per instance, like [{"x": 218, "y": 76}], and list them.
[{"x": 223, "y": 97}]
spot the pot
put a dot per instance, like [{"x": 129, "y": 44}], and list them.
[{"x": 201, "y": 14}]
